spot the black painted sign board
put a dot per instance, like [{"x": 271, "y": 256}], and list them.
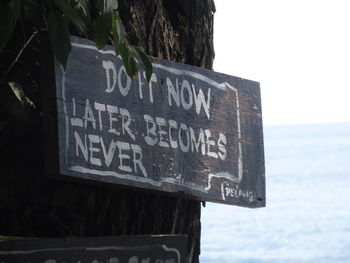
[
  {"x": 189, "y": 131},
  {"x": 124, "y": 249}
]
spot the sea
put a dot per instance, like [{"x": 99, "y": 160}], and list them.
[{"x": 307, "y": 216}]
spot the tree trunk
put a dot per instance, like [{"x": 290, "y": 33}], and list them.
[{"x": 32, "y": 205}]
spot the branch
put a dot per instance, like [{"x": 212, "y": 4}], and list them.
[
  {"x": 19, "y": 54},
  {"x": 150, "y": 47}
]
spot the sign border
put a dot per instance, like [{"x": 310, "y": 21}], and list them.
[{"x": 225, "y": 175}]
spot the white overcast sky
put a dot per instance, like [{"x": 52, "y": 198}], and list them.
[{"x": 299, "y": 51}]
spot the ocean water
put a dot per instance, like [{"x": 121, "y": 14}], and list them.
[{"x": 307, "y": 218}]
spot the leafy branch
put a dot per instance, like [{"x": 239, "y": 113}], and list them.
[
  {"x": 57, "y": 16},
  {"x": 109, "y": 23}
]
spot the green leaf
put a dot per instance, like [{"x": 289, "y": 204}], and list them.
[
  {"x": 83, "y": 6},
  {"x": 133, "y": 67},
  {"x": 111, "y": 5},
  {"x": 144, "y": 61},
  {"x": 18, "y": 91},
  {"x": 119, "y": 34},
  {"x": 114, "y": 33},
  {"x": 59, "y": 35},
  {"x": 100, "y": 4},
  {"x": 103, "y": 28},
  {"x": 124, "y": 52},
  {"x": 128, "y": 61},
  {"x": 70, "y": 13},
  {"x": 9, "y": 12},
  {"x": 108, "y": 6}
]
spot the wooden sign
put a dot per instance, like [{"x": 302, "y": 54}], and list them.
[
  {"x": 189, "y": 131},
  {"x": 125, "y": 249}
]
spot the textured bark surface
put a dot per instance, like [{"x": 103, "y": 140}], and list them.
[
  {"x": 180, "y": 30},
  {"x": 32, "y": 205}
]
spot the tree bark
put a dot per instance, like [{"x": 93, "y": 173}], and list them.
[{"x": 31, "y": 205}]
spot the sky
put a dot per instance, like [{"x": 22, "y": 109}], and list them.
[{"x": 298, "y": 50}]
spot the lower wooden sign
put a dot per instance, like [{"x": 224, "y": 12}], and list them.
[{"x": 128, "y": 249}]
